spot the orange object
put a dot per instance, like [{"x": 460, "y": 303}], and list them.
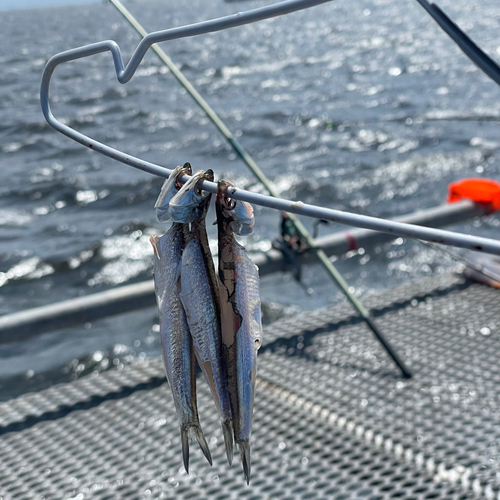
[{"x": 478, "y": 190}]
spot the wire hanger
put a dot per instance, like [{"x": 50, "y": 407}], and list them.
[{"x": 125, "y": 73}]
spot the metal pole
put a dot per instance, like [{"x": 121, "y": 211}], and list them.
[
  {"x": 466, "y": 45},
  {"x": 302, "y": 231}
]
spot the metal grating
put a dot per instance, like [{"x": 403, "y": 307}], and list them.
[{"x": 332, "y": 419}]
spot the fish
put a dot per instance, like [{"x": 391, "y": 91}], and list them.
[
  {"x": 169, "y": 189},
  {"x": 241, "y": 322},
  {"x": 199, "y": 296},
  {"x": 177, "y": 345}
]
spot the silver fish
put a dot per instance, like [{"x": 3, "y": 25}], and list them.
[
  {"x": 199, "y": 295},
  {"x": 240, "y": 312},
  {"x": 168, "y": 191},
  {"x": 177, "y": 345}
]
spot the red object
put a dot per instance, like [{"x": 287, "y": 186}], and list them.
[
  {"x": 352, "y": 244},
  {"x": 478, "y": 190}
]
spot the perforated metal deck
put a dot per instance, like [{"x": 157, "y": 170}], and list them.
[{"x": 333, "y": 419}]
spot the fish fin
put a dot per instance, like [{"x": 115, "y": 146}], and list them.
[
  {"x": 245, "y": 458},
  {"x": 198, "y": 433},
  {"x": 154, "y": 240},
  {"x": 227, "y": 430},
  {"x": 185, "y": 446},
  {"x": 193, "y": 430}
]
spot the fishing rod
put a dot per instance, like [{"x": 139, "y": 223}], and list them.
[
  {"x": 331, "y": 270},
  {"x": 484, "y": 62}
]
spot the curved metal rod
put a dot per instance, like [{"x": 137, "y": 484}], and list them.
[
  {"x": 483, "y": 61},
  {"x": 125, "y": 73}
]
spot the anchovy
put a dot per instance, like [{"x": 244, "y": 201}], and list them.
[
  {"x": 177, "y": 346},
  {"x": 199, "y": 295},
  {"x": 241, "y": 315},
  {"x": 169, "y": 189}
]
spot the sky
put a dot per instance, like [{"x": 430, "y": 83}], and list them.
[{"x": 29, "y": 4}]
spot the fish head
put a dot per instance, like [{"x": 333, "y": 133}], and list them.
[
  {"x": 170, "y": 188},
  {"x": 191, "y": 202},
  {"x": 239, "y": 214}
]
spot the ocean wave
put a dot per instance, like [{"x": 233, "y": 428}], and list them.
[{"x": 28, "y": 269}]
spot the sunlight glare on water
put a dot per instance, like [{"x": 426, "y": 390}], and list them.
[{"x": 362, "y": 106}]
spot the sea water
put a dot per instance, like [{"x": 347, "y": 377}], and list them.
[{"x": 364, "y": 106}]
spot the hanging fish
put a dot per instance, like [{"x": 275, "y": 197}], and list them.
[
  {"x": 170, "y": 188},
  {"x": 199, "y": 295},
  {"x": 177, "y": 345},
  {"x": 240, "y": 314}
]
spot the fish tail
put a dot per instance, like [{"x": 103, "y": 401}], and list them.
[
  {"x": 185, "y": 446},
  {"x": 198, "y": 433},
  {"x": 193, "y": 430},
  {"x": 227, "y": 431},
  {"x": 245, "y": 458}
]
